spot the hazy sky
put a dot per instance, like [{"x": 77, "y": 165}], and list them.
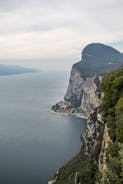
[{"x": 52, "y": 33}]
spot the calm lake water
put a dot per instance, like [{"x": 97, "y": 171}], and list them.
[{"x": 34, "y": 143}]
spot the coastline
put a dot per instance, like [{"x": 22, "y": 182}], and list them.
[
  {"x": 86, "y": 93},
  {"x": 82, "y": 148},
  {"x": 89, "y": 151},
  {"x": 78, "y": 115},
  {"x": 67, "y": 109},
  {"x": 87, "y": 156}
]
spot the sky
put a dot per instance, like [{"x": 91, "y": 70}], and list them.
[{"x": 50, "y": 34}]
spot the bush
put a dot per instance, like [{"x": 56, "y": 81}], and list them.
[
  {"x": 119, "y": 106},
  {"x": 87, "y": 176},
  {"x": 119, "y": 129}
]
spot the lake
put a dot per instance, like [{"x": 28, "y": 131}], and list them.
[{"x": 34, "y": 142}]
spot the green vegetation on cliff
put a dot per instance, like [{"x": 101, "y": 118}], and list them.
[
  {"x": 112, "y": 109},
  {"x": 86, "y": 165}
]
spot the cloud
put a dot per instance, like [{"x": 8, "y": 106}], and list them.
[{"x": 57, "y": 30}]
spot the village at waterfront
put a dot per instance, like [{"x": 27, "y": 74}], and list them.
[{"x": 66, "y": 108}]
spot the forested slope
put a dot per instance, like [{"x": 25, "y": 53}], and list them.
[{"x": 112, "y": 110}]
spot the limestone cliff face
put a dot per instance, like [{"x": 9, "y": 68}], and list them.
[
  {"x": 90, "y": 99},
  {"x": 74, "y": 91},
  {"x": 83, "y": 92},
  {"x": 97, "y": 60}
]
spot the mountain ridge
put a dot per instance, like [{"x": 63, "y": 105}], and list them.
[{"x": 14, "y": 69}]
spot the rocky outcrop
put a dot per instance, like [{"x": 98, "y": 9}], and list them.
[{"x": 83, "y": 89}]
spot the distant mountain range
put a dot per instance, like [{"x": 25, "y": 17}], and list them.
[{"x": 13, "y": 69}]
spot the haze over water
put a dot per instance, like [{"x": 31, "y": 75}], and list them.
[{"x": 34, "y": 143}]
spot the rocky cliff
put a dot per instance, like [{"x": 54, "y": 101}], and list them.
[
  {"x": 83, "y": 89},
  {"x": 84, "y": 92}
]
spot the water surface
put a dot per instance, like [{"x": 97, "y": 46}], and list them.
[{"x": 34, "y": 143}]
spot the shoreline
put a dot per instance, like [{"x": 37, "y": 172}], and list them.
[
  {"x": 88, "y": 154},
  {"x": 77, "y": 115}
]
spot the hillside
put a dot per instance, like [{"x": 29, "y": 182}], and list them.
[{"x": 112, "y": 110}]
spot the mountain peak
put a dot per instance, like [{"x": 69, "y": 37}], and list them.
[
  {"x": 98, "y": 59},
  {"x": 98, "y": 50}
]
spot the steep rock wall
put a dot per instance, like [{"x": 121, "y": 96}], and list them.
[{"x": 83, "y": 92}]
